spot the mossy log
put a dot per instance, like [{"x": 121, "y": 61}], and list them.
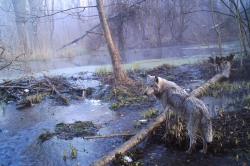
[{"x": 142, "y": 134}]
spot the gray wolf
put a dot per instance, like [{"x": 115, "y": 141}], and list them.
[{"x": 191, "y": 109}]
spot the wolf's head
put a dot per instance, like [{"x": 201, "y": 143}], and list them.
[{"x": 155, "y": 85}]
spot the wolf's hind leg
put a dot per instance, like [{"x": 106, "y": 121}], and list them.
[
  {"x": 206, "y": 133},
  {"x": 192, "y": 127}
]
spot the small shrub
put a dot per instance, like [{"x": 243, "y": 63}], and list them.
[
  {"x": 135, "y": 67},
  {"x": 150, "y": 113},
  {"x": 73, "y": 152},
  {"x": 103, "y": 71}
]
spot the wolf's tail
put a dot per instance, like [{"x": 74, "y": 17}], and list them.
[{"x": 208, "y": 131}]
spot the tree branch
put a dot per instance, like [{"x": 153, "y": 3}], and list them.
[{"x": 96, "y": 26}]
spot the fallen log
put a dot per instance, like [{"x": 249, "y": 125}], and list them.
[
  {"x": 142, "y": 134},
  {"x": 218, "y": 77}
]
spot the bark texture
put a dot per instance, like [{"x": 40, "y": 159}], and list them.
[{"x": 120, "y": 74}]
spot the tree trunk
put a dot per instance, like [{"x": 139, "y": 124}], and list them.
[
  {"x": 216, "y": 27},
  {"x": 141, "y": 135},
  {"x": 20, "y": 13},
  {"x": 121, "y": 40},
  {"x": 34, "y": 6},
  {"x": 120, "y": 74}
]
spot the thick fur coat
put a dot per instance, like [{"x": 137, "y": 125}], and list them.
[{"x": 191, "y": 109}]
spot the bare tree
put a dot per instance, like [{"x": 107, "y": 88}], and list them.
[
  {"x": 20, "y": 13},
  {"x": 234, "y": 8},
  {"x": 119, "y": 73},
  {"x": 158, "y": 14},
  {"x": 35, "y": 10},
  {"x": 216, "y": 26},
  {"x": 178, "y": 19}
]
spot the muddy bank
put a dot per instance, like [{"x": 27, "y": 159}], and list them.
[{"x": 231, "y": 140}]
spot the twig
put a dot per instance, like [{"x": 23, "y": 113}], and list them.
[
  {"x": 3, "y": 50},
  {"x": 13, "y": 86},
  {"x": 109, "y": 136},
  {"x": 10, "y": 63}
]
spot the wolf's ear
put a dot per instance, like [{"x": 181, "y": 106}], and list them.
[{"x": 156, "y": 79}]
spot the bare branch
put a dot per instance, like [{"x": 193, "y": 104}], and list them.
[
  {"x": 11, "y": 62},
  {"x": 209, "y": 11},
  {"x": 96, "y": 26}
]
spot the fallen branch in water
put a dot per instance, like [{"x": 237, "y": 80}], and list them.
[
  {"x": 109, "y": 136},
  {"x": 142, "y": 134},
  {"x": 63, "y": 98}
]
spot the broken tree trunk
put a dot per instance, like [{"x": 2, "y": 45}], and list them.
[
  {"x": 141, "y": 135},
  {"x": 218, "y": 77}
]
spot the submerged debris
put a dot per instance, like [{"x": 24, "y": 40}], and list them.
[
  {"x": 30, "y": 100},
  {"x": 73, "y": 152},
  {"x": 45, "y": 136},
  {"x": 72, "y": 155},
  {"x": 69, "y": 131},
  {"x": 77, "y": 129},
  {"x": 27, "y": 92}
]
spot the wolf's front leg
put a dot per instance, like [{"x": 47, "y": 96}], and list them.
[
  {"x": 204, "y": 150},
  {"x": 192, "y": 143}
]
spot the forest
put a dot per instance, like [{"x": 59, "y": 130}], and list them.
[{"x": 124, "y": 82}]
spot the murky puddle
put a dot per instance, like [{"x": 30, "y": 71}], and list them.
[{"x": 19, "y": 130}]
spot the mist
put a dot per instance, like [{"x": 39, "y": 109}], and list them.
[{"x": 51, "y": 34}]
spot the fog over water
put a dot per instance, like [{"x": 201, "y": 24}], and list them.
[{"x": 54, "y": 34}]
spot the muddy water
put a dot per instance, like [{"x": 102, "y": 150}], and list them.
[{"x": 19, "y": 131}]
